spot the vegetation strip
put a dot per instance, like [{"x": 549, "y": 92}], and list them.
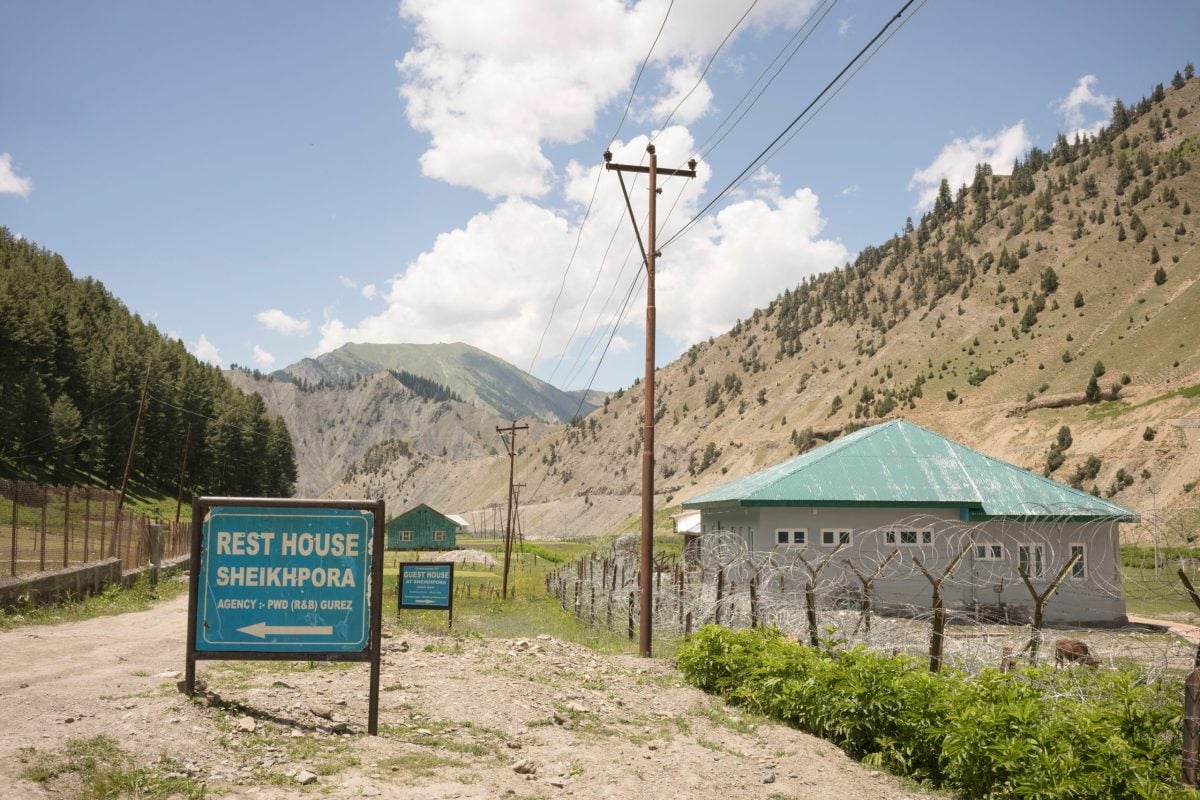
[{"x": 1032, "y": 733}]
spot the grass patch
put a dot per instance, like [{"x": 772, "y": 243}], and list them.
[
  {"x": 718, "y": 714},
  {"x": 417, "y": 765},
  {"x": 140, "y": 596},
  {"x": 105, "y": 771},
  {"x": 529, "y": 611},
  {"x": 1115, "y": 408}
]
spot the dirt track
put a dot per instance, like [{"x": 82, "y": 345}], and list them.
[{"x": 457, "y": 715}]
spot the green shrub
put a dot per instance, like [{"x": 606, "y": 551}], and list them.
[{"x": 1032, "y": 733}]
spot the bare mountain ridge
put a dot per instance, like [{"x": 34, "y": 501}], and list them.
[
  {"x": 480, "y": 378},
  {"x": 1076, "y": 276},
  {"x": 334, "y": 426}
]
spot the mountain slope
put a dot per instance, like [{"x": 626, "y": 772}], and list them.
[
  {"x": 1018, "y": 305},
  {"x": 334, "y": 426},
  {"x": 480, "y": 378}
]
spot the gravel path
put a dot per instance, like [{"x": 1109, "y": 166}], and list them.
[{"x": 460, "y": 718}]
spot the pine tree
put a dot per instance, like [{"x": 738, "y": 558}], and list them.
[{"x": 1160, "y": 276}]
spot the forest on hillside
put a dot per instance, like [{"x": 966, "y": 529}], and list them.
[{"x": 73, "y": 361}]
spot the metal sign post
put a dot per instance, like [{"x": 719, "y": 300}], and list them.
[
  {"x": 428, "y": 586},
  {"x": 286, "y": 580}
]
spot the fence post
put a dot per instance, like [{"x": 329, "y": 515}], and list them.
[
  {"x": 87, "y": 522},
  {"x": 103, "y": 520},
  {"x": 154, "y": 534},
  {"x": 632, "y": 597},
  {"x": 16, "y": 487},
  {"x": 720, "y": 593},
  {"x": 45, "y": 503},
  {"x": 66, "y": 525},
  {"x": 1191, "y": 726}
]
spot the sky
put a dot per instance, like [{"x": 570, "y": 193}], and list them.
[{"x": 268, "y": 181}]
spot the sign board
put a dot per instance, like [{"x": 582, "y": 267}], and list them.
[
  {"x": 427, "y": 586},
  {"x": 286, "y": 580}
]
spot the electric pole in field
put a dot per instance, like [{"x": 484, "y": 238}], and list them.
[
  {"x": 510, "y": 443},
  {"x": 649, "y": 254},
  {"x": 137, "y": 426}
]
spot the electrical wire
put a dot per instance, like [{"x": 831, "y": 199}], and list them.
[
  {"x": 701, "y": 152},
  {"x": 757, "y": 160},
  {"x": 707, "y": 66},
  {"x": 222, "y": 423},
  {"x": 595, "y": 188},
  {"x": 28, "y": 456}
]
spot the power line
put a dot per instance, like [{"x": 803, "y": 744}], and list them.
[
  {"x": 595, "y": 188},
  {"x": 583, "y": 308},
  {"x": 707, "y": 66},
  {"x": 828, "y": 7},
  {"x": 223, "y": 423},
  {"x": 756, "y": 161},
  {"x": 700, "y": 149}
]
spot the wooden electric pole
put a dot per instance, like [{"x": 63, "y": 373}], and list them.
[
  {"x": 649, "y": 254},
  {"x": 511, "y": 445},
  {"x": 137, "y": 425},
  {"x": 187, "y": 439}
]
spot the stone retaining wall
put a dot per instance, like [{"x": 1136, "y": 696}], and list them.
[{"x": 75, "y": 582}]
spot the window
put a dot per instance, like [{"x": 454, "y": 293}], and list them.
[
  {"x": 406, "y": 536},
  {"x": 1079, "y": 571},
  {"x": 909, "y": 538},
  {"x": 989, "y": 552},
  {"x": 831, "y": 538},
  {"x": 791, "y": 536},
  {"x": 1031, "y": 559},
  {"x": 439, "y": 536}
]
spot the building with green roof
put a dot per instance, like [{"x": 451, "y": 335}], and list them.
[
  {"x": 422, "y": 528},
  {"x": 899, "y": 487}
]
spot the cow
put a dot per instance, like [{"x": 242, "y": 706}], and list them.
[{"x": 1068, "y": 651}]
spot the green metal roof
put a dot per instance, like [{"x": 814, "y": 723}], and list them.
[{"x": 899, "y": 463}]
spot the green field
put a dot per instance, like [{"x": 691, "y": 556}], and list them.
[{"x": 529, "y": 610}]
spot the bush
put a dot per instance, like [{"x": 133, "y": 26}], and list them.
[{"x": 1033, "y": 733}]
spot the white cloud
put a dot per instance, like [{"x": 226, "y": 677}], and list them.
[
  {"x": 349, "y": 283},
  {"x": 274, "y": 319},
  {"x": 492, "y": 82},
  {"x": 849, "y": 190},
  {"x": 685, "y": 94},
  {"x": 370, "y": 291},
  {"x": 956, "y": 162},
  {"x": 1075, "y": 106},
  {"x": 205, "y": 350},
  {"x": 492, "y": 283},
  {"x": 263, "y": 358},
  {"x": 844, "y": 26},
  {"x": 10, "y": 182}
]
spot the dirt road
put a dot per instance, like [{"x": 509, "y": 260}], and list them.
[{"x": 460, "y": 718}]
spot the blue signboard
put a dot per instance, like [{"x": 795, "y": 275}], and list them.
[
  {"x": 279, "y": 579},
  {"x": 428, "y": 585}
]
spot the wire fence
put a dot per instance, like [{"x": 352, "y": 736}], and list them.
[
  {"x": 52, "y": 527},
  {"x": 962, "y": 594}
]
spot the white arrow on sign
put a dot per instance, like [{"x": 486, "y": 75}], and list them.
[{"x": 262, "y": 630}]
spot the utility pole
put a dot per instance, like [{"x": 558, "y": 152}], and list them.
[
  {"x": 137, "y": 425},
  {"x": 511, "y": 445},
  {"x": 187, "y": 439},
  {"x": 649, "y": 254}
]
